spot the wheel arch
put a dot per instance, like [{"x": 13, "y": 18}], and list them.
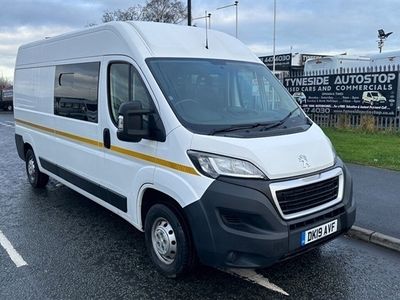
[
  {"x": 27, "y": 146},
  {"x": 149, "y": 196},
  {"x": 22, "y": 146}
]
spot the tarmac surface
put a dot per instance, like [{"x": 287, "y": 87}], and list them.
[
  {"x": 77, "y": 249},
  {"x": 377, "y": 194}
]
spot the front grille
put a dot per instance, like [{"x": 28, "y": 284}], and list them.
[
  {"x": 308, "y": 222},
  {"x": 305, "y": 197}
]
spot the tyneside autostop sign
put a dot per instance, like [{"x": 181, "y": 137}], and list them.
[{"x": 361, "y": 93}]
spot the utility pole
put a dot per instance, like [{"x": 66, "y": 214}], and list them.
[{"x": 189, "y": 8}]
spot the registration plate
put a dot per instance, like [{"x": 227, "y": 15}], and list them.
[{"x": 316, "y": 233}]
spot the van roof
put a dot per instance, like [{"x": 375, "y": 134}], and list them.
[
  {"x": 138, "y": 40},
  {"x": 387, "y": 54},
  {"x": 339, "y": 57}
]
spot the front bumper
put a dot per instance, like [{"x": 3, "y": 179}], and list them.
[{"x": 236, "y": 223}]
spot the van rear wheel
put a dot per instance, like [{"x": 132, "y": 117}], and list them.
[
  {"x": 36, "y": 178},
  {"x": 168, "y": 241}
]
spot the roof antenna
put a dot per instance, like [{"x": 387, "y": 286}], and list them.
[{"x": 206, "y": 18}]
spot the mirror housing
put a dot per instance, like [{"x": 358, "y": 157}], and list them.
[{"x": 131, "y": 122}]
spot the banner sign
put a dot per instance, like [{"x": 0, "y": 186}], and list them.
[
  {"x": 7, "y": 94},
  {"x": 282, "y": 61},
  {"x": 360, "y": 93}
]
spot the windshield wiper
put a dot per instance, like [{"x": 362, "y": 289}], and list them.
[
  {"x": 265, "y": 126},
  {"x": 238, "y": 127},
  {"x": 281, "y": 121}
]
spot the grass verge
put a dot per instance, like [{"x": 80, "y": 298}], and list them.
[{"x": 379, "y": 149}]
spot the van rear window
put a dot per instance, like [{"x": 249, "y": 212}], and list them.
[{"x": 76, "y": 91}]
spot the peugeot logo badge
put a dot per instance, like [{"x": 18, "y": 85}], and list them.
[{"x": 304, "y": 161}]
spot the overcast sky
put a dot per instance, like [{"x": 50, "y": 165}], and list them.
[{"x": 308, "y": 26}]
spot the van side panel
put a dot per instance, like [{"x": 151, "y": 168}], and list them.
[
  {"x": 33, "y": 105},
  {"x": 32, "y": 90}
]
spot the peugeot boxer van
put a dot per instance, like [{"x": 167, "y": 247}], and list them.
[
  {"x": 199, "y": 146},
  {"x": 371, "y": 97}
]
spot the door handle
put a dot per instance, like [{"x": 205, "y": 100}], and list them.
[{"x": 106, "y": 138}]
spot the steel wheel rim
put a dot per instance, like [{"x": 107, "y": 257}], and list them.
[
  {"x": 31, "y": 170},
  {"x": 163, "y": 239}
]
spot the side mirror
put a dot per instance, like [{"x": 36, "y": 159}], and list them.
[{"x": 132, "y": 125}]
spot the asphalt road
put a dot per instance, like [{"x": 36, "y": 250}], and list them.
[
  {"x": 76, "y": 249},
  {"x": 377, "y": 192}
]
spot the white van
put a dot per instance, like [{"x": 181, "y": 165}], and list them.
[
  {"x": 300, "y": 97},
  {"x": 201, "y": 148},
  {"x": 386, "y": 59},
  {"x": 335, "y": 63},
  {"x": 371, "y": 97}
]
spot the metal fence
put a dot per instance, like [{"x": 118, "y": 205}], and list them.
[{"x": 368, "y": 122}]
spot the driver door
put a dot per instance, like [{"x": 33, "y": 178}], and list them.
[{"x": 124, "y": 162}]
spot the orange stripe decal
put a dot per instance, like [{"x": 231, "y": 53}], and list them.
[{"x": 124, "y": 151}]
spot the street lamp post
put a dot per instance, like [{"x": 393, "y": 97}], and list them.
[
  {"x": 236, "y": 6},
  {"x": 236, "y": 27},
  {"x": 273, "y": 43},
  {"x": 382, "y": 36},
  {"x": 206, "y": 16}
]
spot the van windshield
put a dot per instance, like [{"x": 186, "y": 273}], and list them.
[{"x": 213, "y": 96}]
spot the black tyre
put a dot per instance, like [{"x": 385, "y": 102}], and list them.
[
  {"x": 168, "y": 241},
  {"x": 36, "y": 178}
]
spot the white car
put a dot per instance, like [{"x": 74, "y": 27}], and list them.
[{"x": 201, "y": 148}]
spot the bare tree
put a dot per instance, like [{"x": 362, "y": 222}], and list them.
[
  {"x": 166, "y": 11},
  {"x": 4, "y": 83},
  {"x": 130, "y": 14}
]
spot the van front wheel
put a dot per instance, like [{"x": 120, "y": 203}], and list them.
[
  {"x": 168, "y": 242},
  {"x": 36, "y": 178}
]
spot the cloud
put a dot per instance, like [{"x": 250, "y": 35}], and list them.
[
  {"x": 312, "y": 26},
  {"x": 306, "y": 26},
  {"x": 26, "y": 21},
  {"x": 49, "y": 13},
  {"x": 12, "y": 38}
]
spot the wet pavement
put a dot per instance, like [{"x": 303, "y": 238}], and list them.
[
  {"x": 377, "y": 192},
  {"x": 76, "y": 249}
]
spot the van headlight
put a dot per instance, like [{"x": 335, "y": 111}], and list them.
[{"x": 213, "y": 165}]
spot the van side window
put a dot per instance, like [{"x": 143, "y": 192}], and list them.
[
  {"x": 76, "y": 91},
  {"x": 125, "y": 84}
]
